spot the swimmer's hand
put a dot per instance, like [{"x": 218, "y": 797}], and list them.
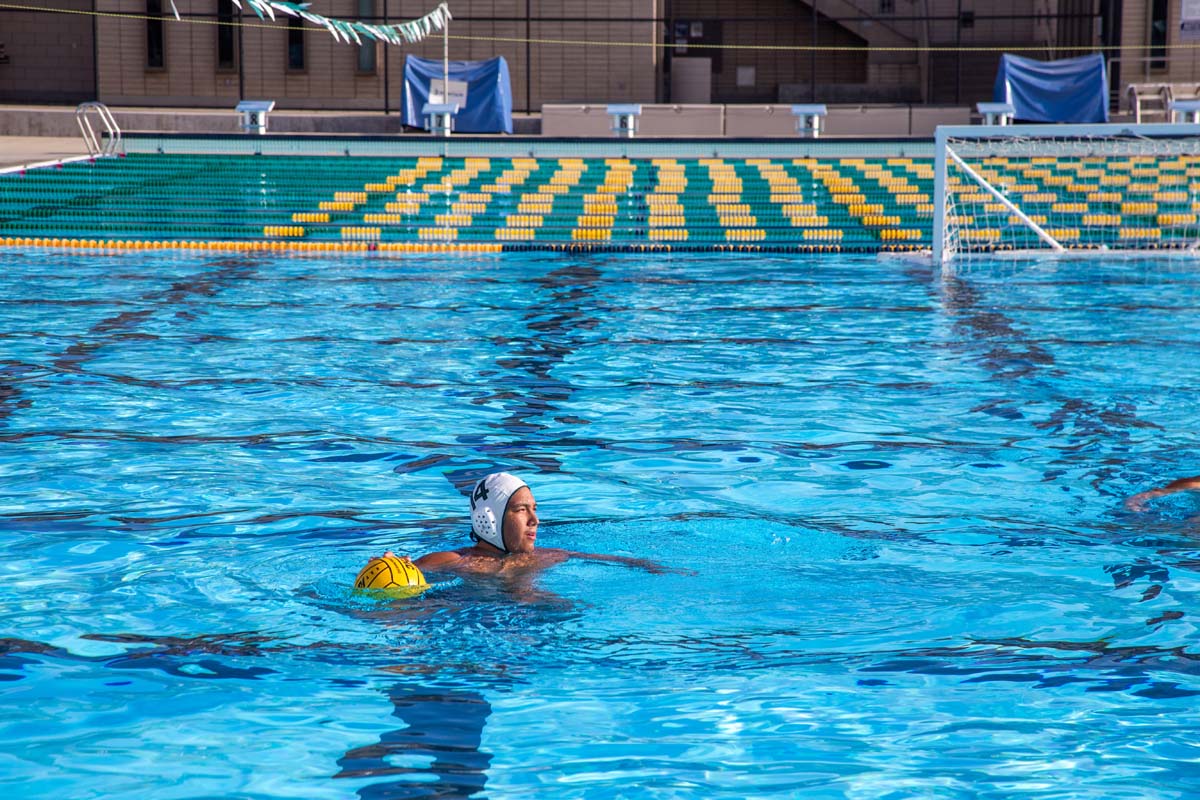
[{"x": 1138, "y": 501}]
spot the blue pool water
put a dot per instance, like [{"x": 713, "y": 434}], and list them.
[{"x": 896, "y": 498}]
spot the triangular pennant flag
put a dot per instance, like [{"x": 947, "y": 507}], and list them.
[
  {"x": 342, "y": 30},
  {"x": 315, "y": 19},
  {"x": 348, "y": 31}
]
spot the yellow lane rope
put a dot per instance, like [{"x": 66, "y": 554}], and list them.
[{"x": 803, "y": 48}]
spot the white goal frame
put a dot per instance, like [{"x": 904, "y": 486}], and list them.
[{"x": 945, "y": 157}]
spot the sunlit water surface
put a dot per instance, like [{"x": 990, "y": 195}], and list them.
[{"x": 895, "y": 498}]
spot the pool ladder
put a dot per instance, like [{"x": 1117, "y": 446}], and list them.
[{"x": 96, "y": 145}]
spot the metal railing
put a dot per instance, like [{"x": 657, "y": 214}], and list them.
[{"x": 98, "y": 145}]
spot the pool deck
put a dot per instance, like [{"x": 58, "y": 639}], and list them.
[{"x": 18, "y": 151}]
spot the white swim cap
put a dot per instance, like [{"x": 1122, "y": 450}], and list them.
[{"x": 489, "y": 498}]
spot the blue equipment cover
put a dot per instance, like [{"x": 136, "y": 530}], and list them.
[
  {"x": 489, "y": 93},
  {"x": 1070, "y": 90}
]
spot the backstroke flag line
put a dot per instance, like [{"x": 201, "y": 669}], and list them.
[{"x": 412, "y": 31}]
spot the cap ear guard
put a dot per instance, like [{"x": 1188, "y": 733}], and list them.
[
  {"x": 483, "y": 527},
  {"x": 489, "y": 499}
]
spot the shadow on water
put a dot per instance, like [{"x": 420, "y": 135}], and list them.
[
  {"x": 183, "y": 293},
  {"x": 438, "y": 689},
  {"x": 1096, "y": 666},
  {"x": 534, "y": 396},
  {"x": 529, "y": 392},
  {"x": 442, "y": 728},
  {"x": 437, "y": 752},
  {"x": 180, "y": 296},
  {"x": 1089, "y": 438},
  {"x": 997, "y": 344}
]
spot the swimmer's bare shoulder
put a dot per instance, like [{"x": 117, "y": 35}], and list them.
[
  {"x": 444, "y": 560},
  {"x": 468, "y": 559}
]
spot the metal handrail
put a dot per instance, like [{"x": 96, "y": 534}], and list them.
[{"x": 95, "y": 144}]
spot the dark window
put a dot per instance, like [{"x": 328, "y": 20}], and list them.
[
  {"x": 887, "y": 6},
  {"x": 226, "y": 52},
  {"x": 295, "y": 43},
  {"x": 155, "y": 55},
  {"x": 366, "y": 53},
  {"x": 1158, "y": 34}
]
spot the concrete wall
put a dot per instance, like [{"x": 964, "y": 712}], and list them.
[
  {"x": 655, "y": 120},
  {"x": 751, "y": 120},
  {"x": 879, "y": 120},
  {"x": 925, "y": 119},
  {"x": 759, "y": 120},
  {"x": 575, "y": 120}
]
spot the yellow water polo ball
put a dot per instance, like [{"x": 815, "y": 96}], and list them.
[{"x": 391, "y": 575}]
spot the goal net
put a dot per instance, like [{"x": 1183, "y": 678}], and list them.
[{"x": 1071, "y": 189}]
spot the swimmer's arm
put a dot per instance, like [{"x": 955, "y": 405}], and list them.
[
  {"x": 653, "y": 567},
  {"x": 443, "y": 560},
  {"x": 1138, "y": 501}
]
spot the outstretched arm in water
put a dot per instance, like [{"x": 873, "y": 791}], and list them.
[
  {"x": 653, "y": 567},
  {"x": 1138, "y": 501}
]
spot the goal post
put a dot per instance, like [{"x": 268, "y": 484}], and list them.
[{"x": 1079, "y": 189}]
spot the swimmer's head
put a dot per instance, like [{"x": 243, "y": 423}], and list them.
[{"x": 489, "y": 499}]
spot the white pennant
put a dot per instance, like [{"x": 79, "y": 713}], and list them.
[{"x": 412, "y": 31}]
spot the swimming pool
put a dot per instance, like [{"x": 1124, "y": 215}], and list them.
[{"x": 900, "y": 495}]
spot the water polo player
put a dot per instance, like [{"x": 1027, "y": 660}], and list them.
[{"x": 504, "y": 527}]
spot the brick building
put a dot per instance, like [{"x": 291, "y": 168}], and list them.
[{"x": 639, "y": 50}]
